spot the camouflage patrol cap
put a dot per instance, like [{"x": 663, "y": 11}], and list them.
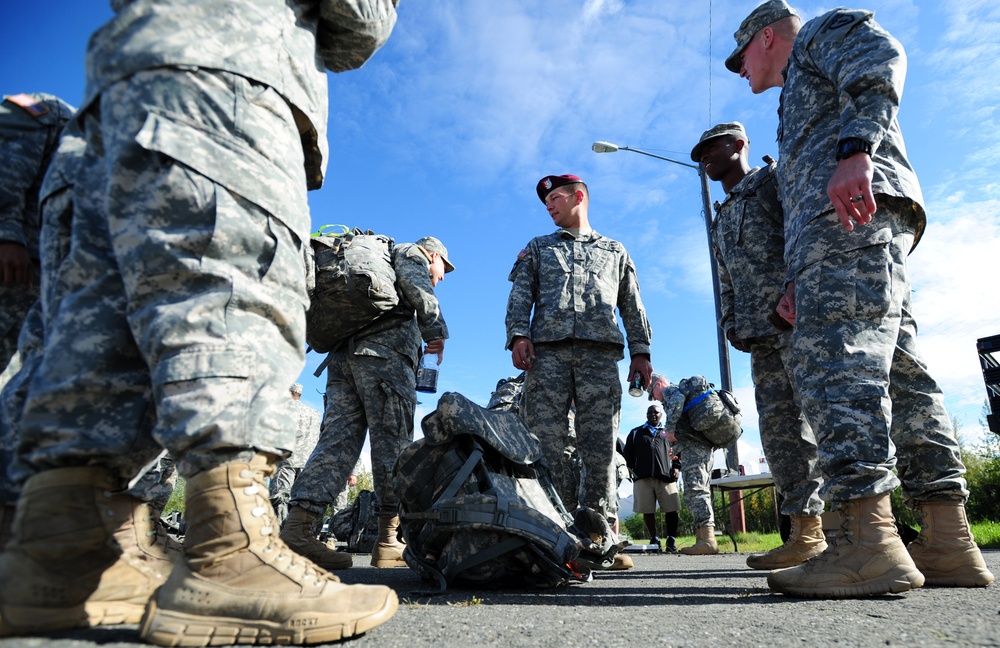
[
  {"x": 765, "y": 14},
  {"x": 729, "y": 128},
  {"x": 296, "y": 388},
  {"x": 550, "y": 182},
  {"x": 432, "y": 244}
]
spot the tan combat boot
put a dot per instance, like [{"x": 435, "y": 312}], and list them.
[
  {"x": 866, "y": 558},
  {"x": 622, "y": 561},
  {"x": 946, "y": 552},
  {"x": 82, "y": 554},
  {"x": 806, "y": 541},
  {"x": 297, "y": 534},
  {"x": 705, "y": 544},
  {"x": 388, "y": 551},
  {"x": 239, "y": 583}
]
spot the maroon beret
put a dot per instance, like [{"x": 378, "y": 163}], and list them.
[{"x": 548, "y": 183}]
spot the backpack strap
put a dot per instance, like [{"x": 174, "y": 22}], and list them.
[{"x": 697, "y": 400}]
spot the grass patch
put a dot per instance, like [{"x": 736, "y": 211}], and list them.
[{"x": 987, "y": 537}]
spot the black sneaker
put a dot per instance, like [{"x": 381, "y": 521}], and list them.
[
  {"x": 655, "y": 541},
  {"x": 671, "y": 547}
]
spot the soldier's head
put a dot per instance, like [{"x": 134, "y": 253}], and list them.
[
  {"x": 657, "y": 384},
  {"x": 653, "y": 415},
  {"x": 566, "y": 198},
  {"x": 437, "y": 254},
  {"x": 722, "y": 151},
  {"x": 763, "y": 45},
  {"x": 295, "y": 391}
]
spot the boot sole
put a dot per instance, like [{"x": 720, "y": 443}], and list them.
[
  {"x": 16, "y": 619},
  {"x": 895, "y": 581},
  {"x": 951, "y": 579},
  {"x": 388, "y": 562},
  {"x": 169, "y": 628}
]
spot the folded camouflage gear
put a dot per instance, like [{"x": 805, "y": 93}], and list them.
[{"x": 479, "y": 507}]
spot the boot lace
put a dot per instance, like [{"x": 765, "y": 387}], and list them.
[{"x": 263, "y": 509}]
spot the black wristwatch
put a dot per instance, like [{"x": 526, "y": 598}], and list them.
[{"x": 852, "y": 145}]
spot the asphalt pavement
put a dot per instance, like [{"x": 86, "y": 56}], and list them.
[{"x": 665, "y": 601}]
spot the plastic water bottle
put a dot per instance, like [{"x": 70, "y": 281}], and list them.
[
  {"x": 764, "y": 468},
  {"x": 427, "y": 374}
]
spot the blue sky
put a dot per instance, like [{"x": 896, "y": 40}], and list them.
[{"x": 448, "y": 128}]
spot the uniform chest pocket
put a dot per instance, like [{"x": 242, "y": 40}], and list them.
[
  {"x": 731, "y": 227},
  {"x": 555, "y": 261}
]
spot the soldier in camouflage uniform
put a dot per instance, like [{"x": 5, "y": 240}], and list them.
[
  {"x": 848, "y": 290},
  {"x": 697, "y": 457},
  {"x": 561, "y": 329},
  {"x": 55, "y": 199},
  {"x": 748, "y": 243},
  {"x": 30, "y": 126},
  {"x": 371, "y": 387},
  {"x": 183, "y": 294},
  {"x": 307, "y": 422}
]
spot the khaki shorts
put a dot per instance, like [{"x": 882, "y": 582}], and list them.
[{"x": 647, "y": 492}]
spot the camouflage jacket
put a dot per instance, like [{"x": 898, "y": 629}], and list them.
[
  {"x": 748, "y": 243},
  {"x": 673, "y": 400},
  {"x": 417, "y": 316},
  {"x": 844, "y": 79},
  {"x": 30, "y": 125},
  {"x": 574, "y": 286},
  {"x": 306, "y": 435},
  {"x": 284, "y": 44}
]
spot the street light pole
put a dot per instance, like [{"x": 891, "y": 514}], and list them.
[
  {"x": 736, "y": 516},
  {"x": 706, "y": 198}
]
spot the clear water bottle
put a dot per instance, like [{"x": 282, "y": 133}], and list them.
[{"x": 427, "y": 373}]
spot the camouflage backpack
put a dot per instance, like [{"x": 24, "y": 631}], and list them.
[
  {"x": 357, "y": 525},
  {"x": 713, "y": 413},
  {"x": 507, "y": 396},
  {"x": 351, "y": 281},
  {"x": 479, "y": 507}
]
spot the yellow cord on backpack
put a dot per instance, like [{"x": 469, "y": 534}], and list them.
[{"x": 322, "y": 231}]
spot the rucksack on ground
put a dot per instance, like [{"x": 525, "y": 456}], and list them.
[
  {"x": 479, "y": 508},
  {"x": 507, "y": 396},
  {"x": 712, "y": 413},
  {"x": 357, "y": 524},
  {"x": 353, "y": 283}
]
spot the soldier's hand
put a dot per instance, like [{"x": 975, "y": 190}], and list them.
[
  {"x": 522, "y": 353},
  {"x": 642, "y": 366},
  {"x": 736, "y": 341},
  {"x": 786, "y": 306},
  {"x": 850, "y": 190},
  {"x": 436, "y": 347},
  {"x": 15, "y": 264}
]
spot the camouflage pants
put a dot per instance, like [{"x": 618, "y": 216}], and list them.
[
  {"x": 183, "y": 292},
  {"x": 364, "y": 394},
  {"x": 697, "y": 458},
  {"x": 280, "y": 489},
  {"x": 14, "y": 304},
  {"x": 56, "y": 207},
  {"x": 584, "y": 373},
  {"x": 789, "y": 442},
  {"x": 859, "y": 375}
]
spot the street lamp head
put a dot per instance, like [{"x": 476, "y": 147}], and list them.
[{"x": 604, "y": 147}]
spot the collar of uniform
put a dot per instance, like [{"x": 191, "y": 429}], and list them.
[
  {"x": 741, "y": 185},
  {"x": 588, "y": 236}
]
